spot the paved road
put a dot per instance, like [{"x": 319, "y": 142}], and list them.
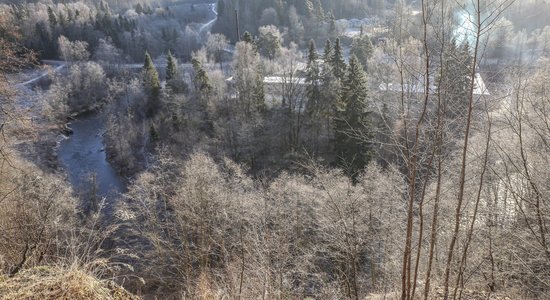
[
  {"x": 58, "y": 66},
  {"x": 211, "y": 22}
]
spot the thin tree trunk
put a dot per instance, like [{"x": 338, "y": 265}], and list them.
[{"x": 462, "y": 178}]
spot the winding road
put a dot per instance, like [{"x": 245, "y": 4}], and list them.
[
  {"x": 211, "y": 22},
  {"x": 59, "y": 65}
]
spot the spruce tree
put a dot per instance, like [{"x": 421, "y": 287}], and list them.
[
  {"x": 247, "y": 38},
  {"x": 152, "y": 85},
  {"x": 313, "y": 91},
  {"x": 171, "y": 67},
  {"x": 312, "y": 53},
  {"x": 338, "y": 63},
  {"x": 327, "y": 55},
  {"x": 319, "y": 11},
  {"x": 361, "y": 47},
  {"x": 201, "y": 80},
  {"x": 332, "y": 26},
  {"x": 314, "y": 106},
  {"x": 454, "y": 82},
  {"x": 352, "y": 123},
  {"x": 51, "y": 17}
]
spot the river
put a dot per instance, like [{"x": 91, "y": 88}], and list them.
[{"x": 82, "y": 155}]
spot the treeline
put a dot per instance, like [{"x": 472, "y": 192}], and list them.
[
  {"x": 302, "y": 20},
  {"x": 131, "y": 31}
]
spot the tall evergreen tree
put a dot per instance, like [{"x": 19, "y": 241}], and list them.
[
  {"x": 201, "y": 80},
  {"x": 171, "y": 67},
  {"x": 247, "y": 38},
  {"x": 313, "y": 81},
  {"x": 454, "y": 81},
  {"x": 338, "y": 63},
  {"x": 361, "y": 47},
  {"x": 51, "y": 17},
  {"x": 332, "y": 26},
  {"x": 152, "y": 84},
  {"x": 314, "y": 107},
  {"x": 319, "y": 11},
  {"x": 328, "y": 52},
  {"x": 352, "y": 121}
]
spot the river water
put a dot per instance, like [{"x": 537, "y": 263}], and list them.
[{"x": 83, "y": 157}]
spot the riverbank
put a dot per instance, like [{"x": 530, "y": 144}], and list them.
[
  {"x": 82, "y": 156},
  {"x": 70, "y": 146}
]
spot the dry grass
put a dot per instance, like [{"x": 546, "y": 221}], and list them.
[{"x": 60, "y": 283}]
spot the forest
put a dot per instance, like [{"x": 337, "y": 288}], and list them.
[{"x": 274, "y": 149}]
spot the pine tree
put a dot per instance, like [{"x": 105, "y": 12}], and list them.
[
  {"x": 351, "y": 125},
  {"x": 327, "y": 55},
  {"x": 314, "y": 106},
  {"x": 201, "y": 80},
  {"x": 319, "y": 11},
  {"x": 139, "y": 9},
  {"x": 313, "y": 91},
  {"x": 247, "y": 38},
  {"x": 52, "y": 18},
  {"x": 454, "y": 82},
  {"x": 332, "y": 26},
  {"x": 338, "y": 63},
  {"x": 361, "y": 47},
  {"x": 312, "y": 53},
  {"x": 310, "y": 8},
  {"x": 171, "y": 67},
  {"x": 152, "y": 83},
  {"x": 151, "y": 78}
]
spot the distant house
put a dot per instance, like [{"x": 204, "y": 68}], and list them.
[
  {"x": 419, "y": 88},
  {"x": 279, "y": 89}
]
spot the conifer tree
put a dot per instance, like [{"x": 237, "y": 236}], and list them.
[
  {"x": 313, "y": 91},
  {"x": 247, "y": 38},
  {"x": 201, "y": 80},
  {"x": 171, "y": 67},
  {"x": 351, "y": 124},
  {"x": 338, "y": 63},
  {"x": 328, "y": 52},
  {"x": 454, "y": 81},
  {"x": 152, "y": 85},
  {"x": 151, "y": 81},
  {"x": 51, "y": 17},
  {"x": 314, "y": 107},
  {"x": 319, "y": 11},
  {"x": 312, "y": 53},
  {"x": 361, "y": 47},
  {"x": 332, "y": 26}
]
